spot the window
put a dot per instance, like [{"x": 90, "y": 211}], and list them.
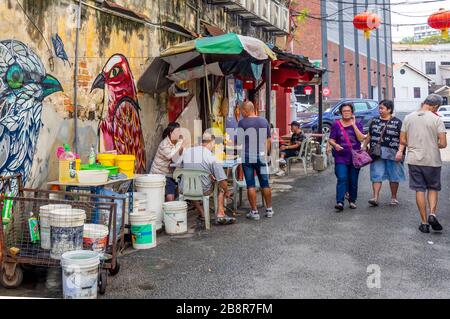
[
  {"x": 402, "y": 71},
  {"x": 430, "y": 67},
  {"x": 372, "y": 105},
  {"x": 417, "y": 92},
  {"x": 443, "y": 109},
  {"x": 445, "y": 63},
  {"x": 360, "y": 106},
  {"x": 447, "y": 82}
]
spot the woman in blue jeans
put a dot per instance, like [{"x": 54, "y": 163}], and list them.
[{"x": 347, "y": 175}]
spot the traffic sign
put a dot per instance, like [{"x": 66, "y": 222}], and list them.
[
  {"x": 308, "y": 90},
  {"x": 326, "y": 91}
]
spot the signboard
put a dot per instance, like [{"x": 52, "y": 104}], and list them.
[
  {"x": 326, "y": 91},
  {"x": 308, "y": 90}
]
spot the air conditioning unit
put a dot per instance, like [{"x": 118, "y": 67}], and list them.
[
  {"x": 252, "y": 6},
  {"x": 264, "y": 9},
  {"x": 275, "y": 14},
  {"x": 284, "y": 19}
]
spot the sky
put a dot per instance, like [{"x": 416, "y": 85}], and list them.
[{"x": 419, "y": 13}]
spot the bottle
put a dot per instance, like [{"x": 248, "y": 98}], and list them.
[
  {"x": 92, "y": 156},
  {"x": 67, "y": 166}
]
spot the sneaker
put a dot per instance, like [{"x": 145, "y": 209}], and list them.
[
  {"x": 269, "y": 213},
  {"x": 339, "y": 207},
  {"x": 394, "y": 202},
  {"x": 432, "y": 220},
  {"x": 280, "y": 173},
  {"x": 352, "y": 206},
  {"x": 282, "y": 161},
  {"x": 424, "y": 228},
  {"x": 253, "y": 215}
]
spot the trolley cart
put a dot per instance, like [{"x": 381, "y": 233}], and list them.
[{"x": 20, "y": 245}]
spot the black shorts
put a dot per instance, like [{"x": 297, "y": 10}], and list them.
[
  {"x": 171, "y": 186},
  {"x": 423, "y": 178},
  {"x": 290, "y": 153}
]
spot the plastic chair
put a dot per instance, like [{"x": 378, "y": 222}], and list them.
[
  {"x": 303, "y": 156},
  {"x": 193, "y": 189},
  {"x": 239, "y": 185}
]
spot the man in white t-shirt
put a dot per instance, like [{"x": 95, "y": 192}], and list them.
[
  {"x": 201, "y": 158},
  {"x": 424, "y": 134}
]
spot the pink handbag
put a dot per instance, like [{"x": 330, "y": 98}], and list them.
[{"x": 360, "y": 158}]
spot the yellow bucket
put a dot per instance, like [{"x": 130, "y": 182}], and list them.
[
  {"x": 126, "y": 164},
  {"x": 107, "y": 159},
  {"x": 78, "y": 164}
]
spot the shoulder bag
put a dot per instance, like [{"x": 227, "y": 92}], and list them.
[
  {"x": 375, "y": 151},
  {"x": 360, "y": 158}
]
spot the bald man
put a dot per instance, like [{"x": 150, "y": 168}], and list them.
[{"x": 254, "y": 134}]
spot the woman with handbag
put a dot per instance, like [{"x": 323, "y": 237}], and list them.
[
  {"x": 345, "y": 138},
  {"x": 384, "y": 141}
]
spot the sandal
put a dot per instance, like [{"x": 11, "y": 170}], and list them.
[
  {"x": 394, "y": 202},
  {"x": 373, "y": 202},
  {"x": 225, "y": 220}
]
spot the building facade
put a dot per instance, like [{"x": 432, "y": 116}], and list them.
[
  {"x": 410, "y": 87},
  {"x": 423, "y": 31}
]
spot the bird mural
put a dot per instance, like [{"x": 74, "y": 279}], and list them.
[
  {"x": 121, "y": 129},
  {"x": 58, "y": 46},
  {"x": 24, "y": 84}
]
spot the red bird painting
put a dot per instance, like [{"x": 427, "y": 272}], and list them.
[{"x": 121, "y": 129}]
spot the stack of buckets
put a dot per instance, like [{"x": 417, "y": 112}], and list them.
[
  {"x": 147, "y": 218},
  {"x": 126, "y": 163},
  {"x": 154, "y": 186}
]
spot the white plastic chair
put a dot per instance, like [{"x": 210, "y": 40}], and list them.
[
  {"x": 240, "y": 185},
  {"x": 193, "y": 189},
  {"x": 303, "y": 156}
]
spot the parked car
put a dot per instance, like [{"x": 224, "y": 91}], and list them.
[
  {"x": 365, "y": 110},
  {"x": 444, "y": 113}
]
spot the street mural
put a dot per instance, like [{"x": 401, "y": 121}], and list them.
[
  {"x": 58, "y": 46},
  {"x": 24, "y": 84},
  {"x": 121, "y": 128}
]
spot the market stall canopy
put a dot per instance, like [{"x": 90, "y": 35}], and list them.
[{"x": 185, "y": 60}]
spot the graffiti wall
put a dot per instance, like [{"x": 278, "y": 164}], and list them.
[
  {"x": 24, "y": 84},
  {"x": 120, "y": 127},
  {"x": 36, "y": 108}
]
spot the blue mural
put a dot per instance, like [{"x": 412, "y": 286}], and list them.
[{"x": 24, "y": 84}]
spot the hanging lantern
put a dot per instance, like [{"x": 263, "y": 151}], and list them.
[
  {"x": 248, "y": 85},
  {"x": 440, "y": 20},
  {"x": 366, "y": 21},
  {"x": 288, "y": 90},
  {"x": 275, "y": 87}
]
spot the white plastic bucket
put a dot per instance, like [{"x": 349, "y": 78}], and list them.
[
  {"x": 175, "y": 217},
  {"x": 95, "y": 237},
  {"x": 154, "y": 186},
  {"x": 143, "y": 232},
  {"x": 66, "y": 231},
  {"x": 44, "y": 222},
  {"x": 80, "y": 274}
]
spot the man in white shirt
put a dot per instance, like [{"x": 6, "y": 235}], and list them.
[
  {"x": 201, "y": 158},
  {"x": 423, "y": 132}
]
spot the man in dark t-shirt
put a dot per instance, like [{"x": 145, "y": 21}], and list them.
[
  {"x": 293, "y": 148},
  {"x": 254, "y": 132}
]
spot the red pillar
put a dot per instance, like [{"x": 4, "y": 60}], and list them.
[{"x": 283, "y": 111}]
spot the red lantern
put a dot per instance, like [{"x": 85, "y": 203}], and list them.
[
  {"x": 288, "y": 90},
  {"x": 248, "y": 85},
  {"x": 440, "y": 20},
  {"x": 367, "y": 22},
  {"x": 275, "y": 87}
]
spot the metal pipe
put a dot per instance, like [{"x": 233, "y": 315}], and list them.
[
  {"x": 369, "y": 65},
  {"x": 386, "y": 59},
  {"x": 378, "y": 61},
  {"x": 341, "y": 51},
  {"x": 356, "y": 37},
  {"x": 269, "y": 91},
  {"x": 75, "y": 81},
  {"x": 324, "y": 31},
  {"x": 320, "y": 126}
]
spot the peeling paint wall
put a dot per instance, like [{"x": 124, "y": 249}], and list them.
[{"x": 102, "y": 35}]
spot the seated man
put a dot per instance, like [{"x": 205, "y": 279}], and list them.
[
  {"x": 201, "y": 157},
  {"x": 293, "y": 148}
]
